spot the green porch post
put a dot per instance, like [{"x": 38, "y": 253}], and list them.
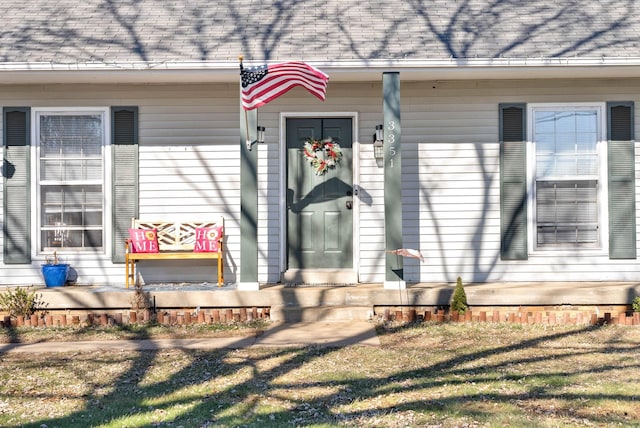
[
  {"x": 394, "y": 270},
  {"x": 248, "y": 201}
]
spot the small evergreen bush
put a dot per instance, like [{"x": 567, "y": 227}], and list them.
[
  {"x": 20, "y": 302},
  {"x": 459, "y": 300},
  {"x": 636, "y": 304}
]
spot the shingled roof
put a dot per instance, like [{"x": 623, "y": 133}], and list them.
[{"x": 120, "y": 33}]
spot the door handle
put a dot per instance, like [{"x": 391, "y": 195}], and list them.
[{"x": 349, "y": 203}]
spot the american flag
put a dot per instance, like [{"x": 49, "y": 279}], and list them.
[{"x": 265, "y": 83}]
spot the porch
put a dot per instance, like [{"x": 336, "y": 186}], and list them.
[{"x": 358, "y": 302}]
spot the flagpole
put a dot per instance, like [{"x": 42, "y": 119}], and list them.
[
  {"x": 246, "y": 125},
  {"x": 246, "y": 118}
]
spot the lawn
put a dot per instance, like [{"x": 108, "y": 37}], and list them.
[{"x": 433, "y": 375}]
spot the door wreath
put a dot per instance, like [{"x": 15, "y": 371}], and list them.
[{"x": 322, "y": 154}]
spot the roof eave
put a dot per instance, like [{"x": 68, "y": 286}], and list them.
[{"x": 339, "y": 71}]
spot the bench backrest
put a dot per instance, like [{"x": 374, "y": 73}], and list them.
[{"x": 176, "y": 235}]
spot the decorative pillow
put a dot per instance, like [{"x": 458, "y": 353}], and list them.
[
  {"x": 207, "y": 239},
  {"x": 144, "y": 240}
]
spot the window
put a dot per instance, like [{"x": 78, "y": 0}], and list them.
[
  {"x": 566, "y": 168},
  {"x": 612, "y": 174},
  {"x": 70, "y": 172}
]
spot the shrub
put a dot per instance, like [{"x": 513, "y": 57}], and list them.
[
  {"x": 636, "y": 304},
  {"x": 459, "y": 300},
  {"x": 20, "y": 302},
  {"x": 140, "y": 299}
]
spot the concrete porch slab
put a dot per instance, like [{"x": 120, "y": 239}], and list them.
[{"x": 363, "y": 297}]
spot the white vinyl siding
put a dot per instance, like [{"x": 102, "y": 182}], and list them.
[
  {"x": 190, "y": 159},
  {"x": 188, "y": 169},
  {"x": 457, "y": 215}
]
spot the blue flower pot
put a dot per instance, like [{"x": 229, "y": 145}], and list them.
[{"x": 55, "y": 275}]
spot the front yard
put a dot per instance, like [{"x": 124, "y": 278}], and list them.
[{"x": 439, "y": 375}]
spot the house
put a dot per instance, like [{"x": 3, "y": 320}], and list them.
[{"x": 508, "y": 135}]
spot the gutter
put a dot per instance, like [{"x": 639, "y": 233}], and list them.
[{"x": 350, "y": 70}]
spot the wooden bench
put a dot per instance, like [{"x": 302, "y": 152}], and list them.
[{"x": 176, "y": 240}]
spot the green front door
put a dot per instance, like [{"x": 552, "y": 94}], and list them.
[{"x": 319, "y": 207}]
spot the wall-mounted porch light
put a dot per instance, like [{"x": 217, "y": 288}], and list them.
[
  {"x": 378, "y": 145},
  {"x": 259, "y": 139}
]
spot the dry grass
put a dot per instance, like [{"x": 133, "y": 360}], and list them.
[
  {"x": 447, "y": 375},
  {"x": 129, "y": 332}
]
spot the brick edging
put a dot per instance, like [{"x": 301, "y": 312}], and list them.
[
  {"x": 544, "y": 317},
  {"x": 63, "y": 318}
]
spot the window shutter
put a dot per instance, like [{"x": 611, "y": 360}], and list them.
[
  {"x": 513, "y": 182},
  {"x": 16, "y": 191},
  {"x": 621, "y": 161},
  {"x": 124, "y": 139}
]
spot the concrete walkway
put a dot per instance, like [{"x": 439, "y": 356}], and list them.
[{"x": 326, "y": 334}]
